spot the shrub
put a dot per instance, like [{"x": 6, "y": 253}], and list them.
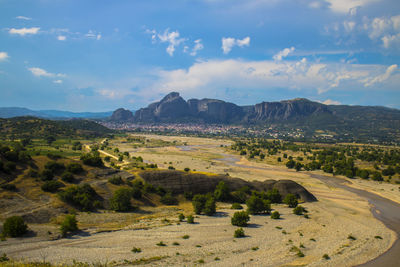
[
  {"x": 67, "y": 177},
  {"x": 275, "y": 215},
  {"x": 351, "y": 237},
  {"x": 168, "y": 199},
  {"x": 14, "y": 226},
  {"x": 9, "y": 187},
  {"x": 239, "y": 233},
  {"x": 181, "y": 217},
  {"x": 69, "y": 224},
  {"x": 9, "y": 166},
  {"x": 116, "y": 180},
  {"x": 149, "y": 188},
  {"x": 136, "y": 192},
  {"x": 274, "y": 196},
  {"x": 198, "y": 203},
  {"x": 185, "y": 237},
  {"x": 299, "y": 210},
  {"x": 240, "y": 218},
  {"x": 239, "y": 196},
  {"x": 257, "y": 205},
  {"x": 121, "y": 200},
  {"x": 46, "y": 175},
  {"x": 171, "y": 168},
  {"x": 377, "y": 176},
  {"x": 74, "y": 167},
  {"x": 136, "y": 250},
  {"x": 92, "y": 159},
  {"x": 291, "y": 200},
  {"x": 188, "y": 195},
  {"x": 186, "y": 169},
  {"x": 82, "y": 197},
  {"x": 160, "y": 191},
  {"x": 326, "y": 257},
  {"x": 236, "y": 206},
  {"x": 221, "y": 192},
  {"x": 54, "y": 167},
  {"x": 190, "y": 219},
  {"x": 290, "y": 164},
  {"x": 4, "y": 258},
  {"x": 51, "y": 186},
  {"x": 209, "y": 206},
  {"x": 161, "y": 244}
]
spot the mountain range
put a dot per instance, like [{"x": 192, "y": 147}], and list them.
[
  {"x": 10, "y": 112},
  {"x": 359, "y": 122}
]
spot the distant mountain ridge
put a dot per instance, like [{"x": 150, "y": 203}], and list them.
[
  {"x": 10, "y": 112},
  {"x": 346, "y": 123},
  {"x": 173, "y": 108}
]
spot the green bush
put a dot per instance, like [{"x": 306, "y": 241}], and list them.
[
  {"x": 46, "y": 175},
  {"x": 240, "y": 218},
  {"x": 291, "y": 200},
  {"x": 181, "y": 217},
  {"x": 190, "y": 219},
  {"x": 222, "y": 192},
  {"x": 116, "y": 180},
  {"x": 74, "y": 168},
  {"x": 54, "y": 167},
  {"x": 299, "y": 210},
  {"x": 9, "y": 187},
  {"x": 203, "y": 203},
  {"x": 236, "y": 206},
  {"x": 257, "y": 205},
  {"x": 51, "y": 186},
  {"x": 92, "y": 159},
  {"x": 14, "y": 227},
  {"x": 136, "y": 192},
  {"x": 209, "y": 206},
  {"x": 121, "y": 200},
  {"x": 168, "y": 199},
  {"x": 82, "y": 197},
  {"x": 326, "y": 257},
  {"x": 136, "y": 250},
  {"x": 69, "y": 224},
  {"x": 274, "y": 196},
  {"x": 68, "y": 177},
  {"x": 275, "y": 215},
  {"x": 239, "y": 233},
  {"x": 239, "y": 196},
  {"x": 186, "y": 169}
]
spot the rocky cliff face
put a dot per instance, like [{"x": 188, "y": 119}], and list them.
[
  {"x": 173, "y": 108},
  {"x": 121, "y": 115},
  {"x": 287, "y": 110}
]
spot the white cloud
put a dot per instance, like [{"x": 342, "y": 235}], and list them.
[
  {"x": 58, "y": 81},
  {"x": 3, "y": 56},
  {"x": 209, "y": 77},
  {"x": 93, "y": 35},
  {"x": 330, "y": 102},
  {"x": 349, "y": 26},
  {"x": 38, "y": 72},
  {"x": 380, "y": 78},
  {"x": 172, "y": 38},
  {"x": 61, "y": 38},
  {"x": 229, "y": 42},
  {"x": 24, "y": 31},
  {"x": 197, "y": 47},
  {"x": 347, "y": 6},
  {"x": 386, "y": 29},
  {"x": 284, "y": 53},
  {"x": 23, "y": 18}
]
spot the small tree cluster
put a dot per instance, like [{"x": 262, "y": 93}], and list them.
[
  {"x": 257, "y": 205},
  {"x": 204, "y": 204}
]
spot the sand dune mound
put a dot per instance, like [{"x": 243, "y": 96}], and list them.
[{"x": 179, "y": 182}]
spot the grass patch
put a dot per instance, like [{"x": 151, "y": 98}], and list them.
[
  {"x": 136, "y": 250},
  {"x": 145, "y": 260},
  {"x": 161, "y": 244}
]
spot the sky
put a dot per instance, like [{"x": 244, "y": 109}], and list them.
[{"x": 99, "y": 55}]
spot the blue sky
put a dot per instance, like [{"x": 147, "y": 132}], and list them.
[{"x": 98, "y": 55}]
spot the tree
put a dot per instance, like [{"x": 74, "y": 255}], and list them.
[
  {"x": 209, "y": 206},
  {"x": 240, "y": 218},
  {"x": 257, "y": 205},
  {"x": 168, "y": 199},
  {"x": 290, "y": 200},
  {"x": 274, "y": 196},
  {"x": 70, "y": 224},
  {"x": 14, "y": 226},
  {"x": 198, "y": 203},
  {"x": 275, "y": 215},
  {"x": 299, "y": 210},
  {"x": 121, "y": 200},
  {"x": 239, "y": 233},
  {"x": 290, "y": 164},
  {"x": 221, "y": 192},
  {"x": 298, "y": 166}
]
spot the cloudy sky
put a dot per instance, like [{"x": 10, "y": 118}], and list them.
[{"x": 98, "y": 55}]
